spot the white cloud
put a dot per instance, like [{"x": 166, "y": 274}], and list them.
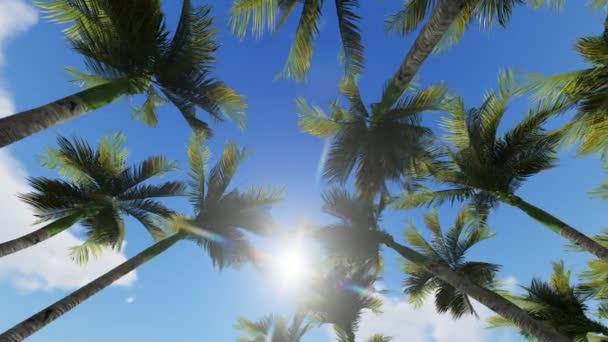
[
  {"x": 15, "y": 17},
  {"x": 406, "y": 323},
  {"x": 129, "y": 300},
  {"x": 46, "y": 266},
  {"x": 510, "y": 283}
]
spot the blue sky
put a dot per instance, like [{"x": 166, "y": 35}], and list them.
[{"x": 179, "y": 296}]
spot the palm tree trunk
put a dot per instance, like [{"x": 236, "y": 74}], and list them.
[
  {"x": 21, "y": 125},
  {"x": 556, "y": 225},
  {"x": 36, "y": 322},
  {"x": 37, "y": 236},
  {"x": 490, "y": 299},
  {"x": 433, "y": 30}
]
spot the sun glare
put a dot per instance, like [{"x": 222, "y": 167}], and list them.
[{"x": 291, "y": 266}]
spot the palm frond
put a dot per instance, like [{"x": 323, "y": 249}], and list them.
[
  {"x": 223, "y": 171},
  {"x": 313, "y": 121},
  {"x": 352, "y": 48},
  {"x": 260, "y": 13},
  {"x": 298, "y": 60},
  {"x": 146, "y": 113},
  {"x": 409, "y": 17}
]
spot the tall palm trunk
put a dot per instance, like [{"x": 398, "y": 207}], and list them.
[
  {"x": 556, "y": 225},
  {"x": 443, "y": 16},
  {"x": 490, "y": 299},
  {"x": 31, "y": 325},
  {"x": 21, "y": 125},
  {"x": 37, "y": 236}
]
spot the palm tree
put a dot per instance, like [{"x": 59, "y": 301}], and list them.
[
  {"x": 587, "y": 89},
  {"x": 133, "y": 54},
  {"x": 98, "y": 190},
  {"x": 446, "y": 24},
  {"x": 263, "y": 15},
  {"x": 484, "y": 168},
  {"x": 449, "y": 247},
  {"x": 339, "y": 297},
  {"x": 217, "y": 226},
  {"x": 351, "y": 240},
  {"x": 485, "y": 12},
  {"x": 560, "y": 304},
  {"x": 377, "y": 144},
  {"x": 435, "y": 266},
  {"x": 274, "y": 328}
]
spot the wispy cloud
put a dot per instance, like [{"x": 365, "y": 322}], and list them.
[
  {"x": 405, "y": 323},
  {"x": 130, "y": 300},
  {"x": 48, "y": 265}
]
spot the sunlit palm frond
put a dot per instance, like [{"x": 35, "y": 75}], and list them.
[
  {"x": 312, "y": 120},
  {"x": 146, "y": 113},
  {"x": 260, "y": 13},
  {"x": 221, "y": 174},
  {"x": 298, "y": 60},
  {"x": 409, "y": 106},
  {"x": 348, "y": 87}
]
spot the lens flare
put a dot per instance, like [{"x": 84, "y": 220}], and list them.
[{"x": 322, "y": 160}]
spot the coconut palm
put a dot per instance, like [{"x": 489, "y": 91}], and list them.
[
  {"x": 451, "y": 248},
  {"x": 98, "y": 189},
  {"x": 446, "y": 24},
  {"x": 130, "y": 54},
  {"x": 274, "y": 328},
  {"x": 587, "y": 89},
  {"x": 339, "y": 297},
  {"x": 485, "y": 12},
  {"x": 351, "y": 240},
  {"x": 271, "y": 14},
  {"x": 220, "y": 217},
  {"x": 483, "y": 167},
  {"x": 377, "y": 144},
  {"x": 374, "y": 237},
  {"x": 560, "y": 304}
]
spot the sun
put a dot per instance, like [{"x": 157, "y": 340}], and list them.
[{"x": 291, "y": 265}]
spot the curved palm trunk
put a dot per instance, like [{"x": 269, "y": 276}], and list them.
[
  {"x": 36, "y": 322},
  {"x": 556, "y": 225},
  {"x": 433, "y": 30},
  {"x": 21, "y": 125},
  {"x": 490, "y": 299},
  {"x": 37, "y": 236}
]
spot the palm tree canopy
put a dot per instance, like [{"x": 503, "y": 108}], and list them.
[
  {"x": 479, "y": 162},
  {"x": 341, "y": 295},
  {"x": 376, "y": 144},
  {"x": 129, "y": 40},
  {"x": 559, "y": 303},
  {"x": 274, "y": 328},
  {"x": 221, "y": 216},
  {"x": 601, "y": 192},
  {"x": 351, "y": 240},
  {"x": 98, "y": 186},
  {"x": 586, "y": 88},
  {"x": 449, "y": 247},
  {"x": 485, "y": 12},
  {"x": 271, "y": 14}
]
